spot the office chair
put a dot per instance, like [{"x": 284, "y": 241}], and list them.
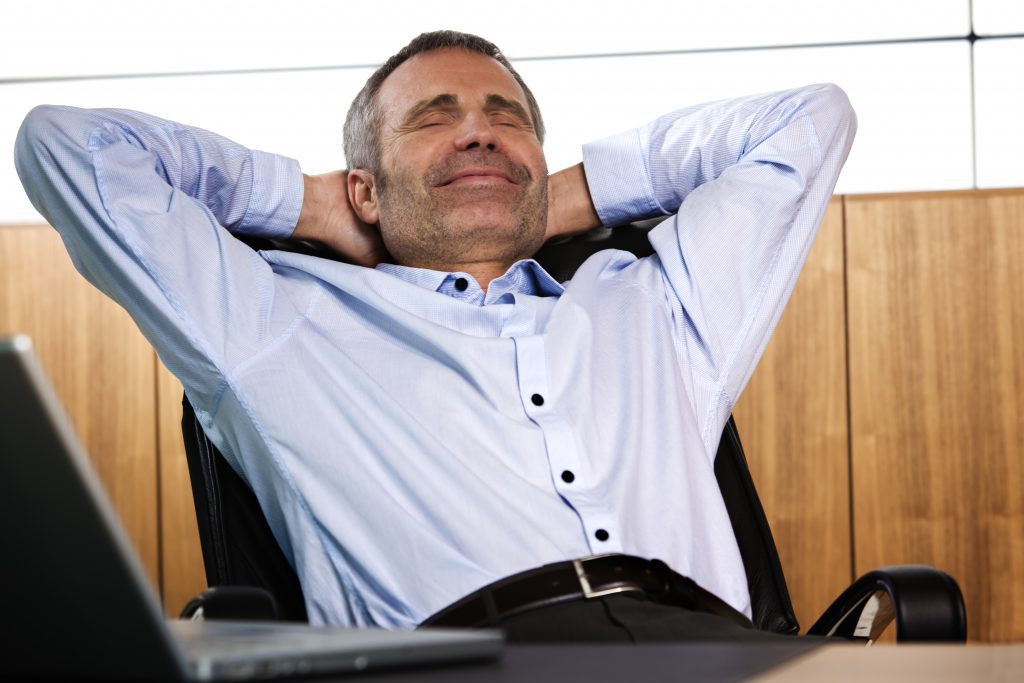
[{"x": 251, "y": 578}]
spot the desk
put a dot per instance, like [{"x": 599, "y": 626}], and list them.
[
  {"x": 884, "y": 663},
  {"x": 718, "y": 662},
  {"x": 611, "y": 663},
  {"x": 795, "y": 662}
]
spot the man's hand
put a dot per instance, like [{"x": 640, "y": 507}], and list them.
[
  {"x": 327, "y": 218},
  {"x": 570, "y": 208}
]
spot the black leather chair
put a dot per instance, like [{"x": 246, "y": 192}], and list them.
[{"x": 252, "y": 579}]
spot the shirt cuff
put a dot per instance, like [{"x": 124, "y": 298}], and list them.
[
  {"x": 618, "y": 180},
  {"x": 276, "y": 198}
]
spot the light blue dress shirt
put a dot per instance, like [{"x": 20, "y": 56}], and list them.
[{"x": 410, "y": 442}]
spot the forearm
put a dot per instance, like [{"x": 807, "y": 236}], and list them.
[
  {"x": 245, "y": 190},
  {"x": 651, "y": 170}
]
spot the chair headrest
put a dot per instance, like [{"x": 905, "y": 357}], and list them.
[{"x": 561, "y": 258}]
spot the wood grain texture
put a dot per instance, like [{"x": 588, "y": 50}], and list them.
[
  {"x": 936, "y": 323},
  {"x": 793, "y": 423},
  {"x": 184, "y": 576},
  {"x": 101, "y": 366}
]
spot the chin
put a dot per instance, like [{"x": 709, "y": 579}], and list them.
[
  {"x": 482, "y": 224},
  {"x": 503, "y": 238}
]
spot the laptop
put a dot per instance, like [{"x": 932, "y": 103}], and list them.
[{"x": 76, "y": 603}]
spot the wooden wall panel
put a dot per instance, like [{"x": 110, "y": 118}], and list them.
[
  {"x": 102, "y": 368},
  {"x": 182, "y": 558},
  {"x": 936, "y": 323},
  {"x": 793, "y": 423}
]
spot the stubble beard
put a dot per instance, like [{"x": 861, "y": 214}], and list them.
[{"x": 442, "y": 228}]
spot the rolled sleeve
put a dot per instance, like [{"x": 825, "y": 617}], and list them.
[
  {"x": 618, "y": 179},
  {"x": 276, "y": 198}
]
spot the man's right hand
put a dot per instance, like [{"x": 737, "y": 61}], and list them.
[{"x": 327, "y": 218}]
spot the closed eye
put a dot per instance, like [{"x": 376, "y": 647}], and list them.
[
  {"x": 504, "y": 119},
  {"x": 506, "y": 112},
  {"x": 438, "y": 110},
  {"x": 436, "y": 118}
]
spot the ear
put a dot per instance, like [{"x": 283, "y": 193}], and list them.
[{"x": 362, "y": 195}]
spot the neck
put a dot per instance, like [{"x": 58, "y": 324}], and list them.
[{"x": 483, "y": 273}]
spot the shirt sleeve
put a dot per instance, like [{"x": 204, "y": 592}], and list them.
[
  {"x": 145, "y": 206},
  {"x": 746, "y": 183}
]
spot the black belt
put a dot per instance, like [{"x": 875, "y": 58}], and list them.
[{"x": 586, "y": 579}]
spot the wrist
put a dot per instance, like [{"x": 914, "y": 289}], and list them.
[
  {"x": 311, "y": 219},
  {"x": 570, "y": 208}
]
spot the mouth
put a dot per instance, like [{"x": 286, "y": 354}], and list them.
[{"x": 477, "y": 175}]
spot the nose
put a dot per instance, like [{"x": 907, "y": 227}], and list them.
[{"x": 476, "y": 132}]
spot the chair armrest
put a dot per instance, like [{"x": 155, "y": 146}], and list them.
[
  {"x": 246, "y": 603},
  {"x": 925, "y": 602}
]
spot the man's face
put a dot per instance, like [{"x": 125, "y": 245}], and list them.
[{"x": 462, "y": 175}]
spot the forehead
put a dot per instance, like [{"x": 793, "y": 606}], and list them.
[{"x": 470, "y": 76}]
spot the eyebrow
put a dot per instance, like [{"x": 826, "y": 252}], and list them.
[
  {"x": 511, "y": 106},
  {"x": 443, "y": 101},
  {"x": 449, "y": 101}
]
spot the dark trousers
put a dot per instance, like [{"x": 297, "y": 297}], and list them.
[{"x": 626, "y": 618}]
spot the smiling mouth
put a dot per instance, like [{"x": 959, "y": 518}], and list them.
[
  {"x": 477, "y": 179},
  {"x": 476, "y": 176},
  {"x": 477, "y": 168}
]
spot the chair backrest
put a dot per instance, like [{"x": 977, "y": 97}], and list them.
[
  {"x": 239, "y": 549},
  {"x": 769, "y": 597}
]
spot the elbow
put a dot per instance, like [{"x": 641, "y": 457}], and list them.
[
  {"x": 35, "y": 139},
  {"x": 50, "y": 127},
  {"x": 831, "y": 115},
  {"x": 836, "y": 105},
  {"x": 38, "y": 125},
  {"x": 834, "y": 95},
  {"x": 45, "y": 148}
]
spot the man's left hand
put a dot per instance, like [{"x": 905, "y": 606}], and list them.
[{"x": 570, "y": 208}]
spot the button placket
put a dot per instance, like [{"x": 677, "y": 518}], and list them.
[
  {"x": 601, "y": 530},
  {"x": 559, "y": 440}
]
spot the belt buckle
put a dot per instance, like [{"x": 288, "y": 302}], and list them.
[{"x": 588, "y": 592}]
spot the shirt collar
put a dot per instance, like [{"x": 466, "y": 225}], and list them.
[{"x": 523, "y": 277}]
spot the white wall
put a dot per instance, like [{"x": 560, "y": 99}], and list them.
[{"x": 937, "y": 111}]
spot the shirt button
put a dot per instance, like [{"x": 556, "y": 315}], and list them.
[
  {"x": 461, "y": 284},
  {"x": 537, "y": 399},
  {"x": 568, "y": 477},
  {"x": 601, "y": 535}
]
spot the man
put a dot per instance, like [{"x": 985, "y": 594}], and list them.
[{"x": 440, "y": 414}]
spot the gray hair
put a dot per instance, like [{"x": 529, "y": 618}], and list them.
[{"x": 362, "y": 126}]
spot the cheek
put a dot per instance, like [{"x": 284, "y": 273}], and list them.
[
  {"x": 534, "y": 158},
  {"x": 416, "y": 154}
]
